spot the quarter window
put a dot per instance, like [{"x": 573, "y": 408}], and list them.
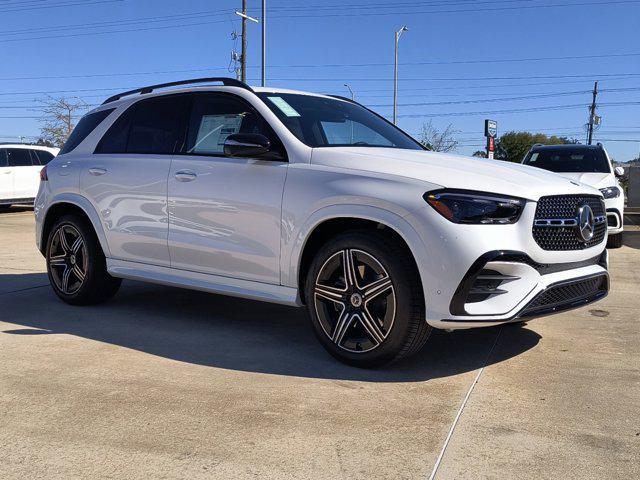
[
  {"x": 41, "y": 157},
  {"x": 19, "y": 157},
  {"x": 86, "y": 125},
  {"x": 3, "y": 158}
]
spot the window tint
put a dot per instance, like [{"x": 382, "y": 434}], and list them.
[
  {"x": 86, "y": 125},
  {"x": 42, "y": 157},
  {"x": 157, "y": 125},
  {"x": 19, "y": 157},
  {"x": 115, "y": 140},
  {"x": 583, "y": 160},
  {"x": 3, "y": 157},
  {"x": 216, "y": 116}
]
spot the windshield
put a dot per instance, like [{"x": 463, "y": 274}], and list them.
[
  {"x": 325, "y": 122},
  {"x": 569, "y": 160}
]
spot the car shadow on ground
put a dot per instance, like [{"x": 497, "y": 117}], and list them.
[
  {"x": 15, "y": 209},
  {"x": 237, "y": 334}
]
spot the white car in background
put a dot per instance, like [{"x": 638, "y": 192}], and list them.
[
  {"x": 591, "y": 165},
  {"x": 20, "y": 166},
  {"x": 312, "y": 200}
]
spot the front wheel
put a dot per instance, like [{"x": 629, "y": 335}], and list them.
[
  {"x": 365, "y": 300},
  {"x": 76, "y": 265},
  {"x": 614, "y": 241}
]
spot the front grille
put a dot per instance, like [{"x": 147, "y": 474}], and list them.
[
  {"x": 560, "y": 231},
  {"x": 568, "y": 295}
]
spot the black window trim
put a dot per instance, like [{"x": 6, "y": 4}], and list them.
[{"x": 242, "y": 100}]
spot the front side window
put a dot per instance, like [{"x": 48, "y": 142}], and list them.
[
  {"x": 86, "y": 125},
  {"x": 19, "y": 157},
  {"x": 569, "y": 160},
  {"x": 216, "y": 116},
  {"x": 327, "y": 122}
]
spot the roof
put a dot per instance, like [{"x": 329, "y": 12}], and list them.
[
  {"x": 30, "y": 146},
  {"x": 574, "y": 146}
]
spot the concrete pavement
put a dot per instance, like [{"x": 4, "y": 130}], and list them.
[{"x": 168, "y": 383}]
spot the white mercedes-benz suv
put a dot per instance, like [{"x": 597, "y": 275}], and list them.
[
  {"x": 306, "y": 199},
  {"x": 589, "y": 164}
]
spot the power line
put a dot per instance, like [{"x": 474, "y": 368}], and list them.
[{"x": 58, "y": 5}]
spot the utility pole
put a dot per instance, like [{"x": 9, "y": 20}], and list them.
[
  {"x": 592, "y": 114},
  {"x": 398, "y": 34},
  {"x": 243, "y": 55},
  {"x": 264, "y": 42},
  {"x": 243, "y": 58}
]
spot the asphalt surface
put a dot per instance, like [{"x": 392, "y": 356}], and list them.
[{"x": 167, "y": 383}]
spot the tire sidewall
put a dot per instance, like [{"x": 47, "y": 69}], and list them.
[
  {"x": 378, "y": 249},
  {"x": 94, "y": 255}
]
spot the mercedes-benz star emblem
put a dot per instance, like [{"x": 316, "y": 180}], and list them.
[{"x": 586, "y": 222}]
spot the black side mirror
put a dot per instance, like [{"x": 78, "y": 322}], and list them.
[{"x": 246, "y": 145}]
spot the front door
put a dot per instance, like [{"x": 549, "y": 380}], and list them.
[
  {"x": 126, "y": 179},
  {"x": 225, "y": 213}
]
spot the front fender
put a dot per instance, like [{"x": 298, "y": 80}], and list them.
[{"x": 292, "y": 250}]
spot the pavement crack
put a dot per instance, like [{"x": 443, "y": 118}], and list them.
[{"x": 461, "y": 409}]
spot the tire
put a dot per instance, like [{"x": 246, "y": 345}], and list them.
[
  {"x": 379, "y": 318},
  {"x": 4, "y": 207},
  {"x": 76, "y": 266},
  {"x": 614, "y": 241}
]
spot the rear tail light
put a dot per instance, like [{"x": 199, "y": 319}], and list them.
[{"x": 43, "y": 174}]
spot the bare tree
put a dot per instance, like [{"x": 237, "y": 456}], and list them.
[
  {"x": 58, "y": 119},
  {"x": 438, "y": 140}
]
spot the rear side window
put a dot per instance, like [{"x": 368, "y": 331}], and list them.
[
  {"x": 157, "y": 125},
  {"x": 19, "y": 157},
  {"x": 86, "y": 125},
  {"x": 116, "y": 138},
  {"x": 153, "y": 126},
  {"x": 41, "y": 157}
]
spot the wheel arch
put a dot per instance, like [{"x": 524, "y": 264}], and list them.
[
  {"x": 67, "y": 204},
  {"x": 328, "y": 225}
]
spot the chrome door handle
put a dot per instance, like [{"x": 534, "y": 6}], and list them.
[
  {"x": 97, "y": 171},
  {"x": 186, "y": 176}
]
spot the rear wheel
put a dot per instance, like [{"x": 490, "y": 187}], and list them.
[
  {"x": 76, "y": 265},
  {"x": 4, "y": 207},
  {"x": 614, "y": 241},
  {"x": 365, "y": 301}
]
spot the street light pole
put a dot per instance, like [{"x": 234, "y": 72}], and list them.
[
  {"x": 264, "y": 42},
  {"x": 353, "y": 96},
  {"x": 398, "y": 34}
]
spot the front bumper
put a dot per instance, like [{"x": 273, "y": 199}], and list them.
[
  {"x": 453, "y": 255},
  {"x": 615, "y": 214}
]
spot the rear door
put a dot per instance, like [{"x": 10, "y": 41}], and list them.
[
  {"x": 6, "y": 177},
  {"x": 26, "y": 174},
  {"x": 126, "y": 178},
  {"x": 225, "y": 213}
]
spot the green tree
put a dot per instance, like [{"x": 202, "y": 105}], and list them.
[{"x": 513, "y": 146}]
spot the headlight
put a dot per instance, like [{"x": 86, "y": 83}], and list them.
[
  {"x": 610, "y": 192},
  {"x": 463, "y": 206}
]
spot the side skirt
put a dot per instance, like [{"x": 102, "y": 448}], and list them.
[{"x": 204, "y": 282}]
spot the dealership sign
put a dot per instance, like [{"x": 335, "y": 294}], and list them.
[{"x": 490, "y": 131}]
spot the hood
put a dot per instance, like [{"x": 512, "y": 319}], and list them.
[
  {"x": 452, "y": 171},
  {"x": 596, "y": 180}
]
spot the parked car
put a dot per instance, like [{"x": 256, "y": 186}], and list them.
[
  {"x": 591, "y": 165},
  {"x": 312, "y": 200},
  {"x": 20, "y": 166}
]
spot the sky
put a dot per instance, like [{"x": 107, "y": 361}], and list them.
[{"x": 529, "y": 64}]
